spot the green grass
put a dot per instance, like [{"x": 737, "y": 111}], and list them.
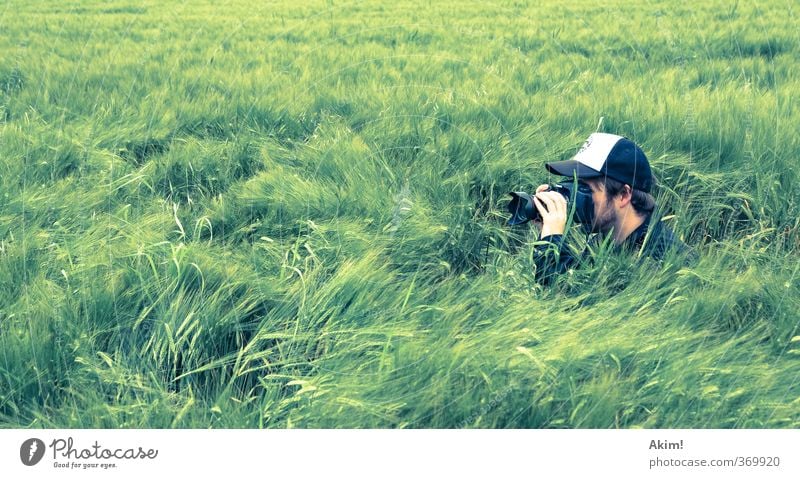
[{"x": 271, "y": 215}]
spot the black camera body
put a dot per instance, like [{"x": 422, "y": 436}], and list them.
[{"x": 523, "y": 209}]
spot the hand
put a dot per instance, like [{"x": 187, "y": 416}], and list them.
[
  {"x": 553, "y": 208},
  {"x": 538, "y": 222}
]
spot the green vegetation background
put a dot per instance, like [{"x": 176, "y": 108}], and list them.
[{"x": 243, "y": 214}]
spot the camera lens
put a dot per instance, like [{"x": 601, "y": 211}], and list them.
[{"x": 522, "y": 208}]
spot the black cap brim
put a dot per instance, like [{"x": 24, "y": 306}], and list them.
[{"x": 571, "y": 167}]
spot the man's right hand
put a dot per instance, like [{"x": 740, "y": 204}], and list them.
[{"x": 553, "y": 208}]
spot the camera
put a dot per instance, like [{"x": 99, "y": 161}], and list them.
[{"x": 523, "y": 209}]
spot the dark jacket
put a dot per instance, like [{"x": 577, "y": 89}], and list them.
[{"x": 652, "y": 237}]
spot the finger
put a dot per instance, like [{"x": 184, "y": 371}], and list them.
[
  {"x": 546, "y": 201},
  {"x": 542, "y": 188},
  {"x": 555, "y": 199},
  {"x": 560, "y": 203},
  {"x": 539, "y": 206}
]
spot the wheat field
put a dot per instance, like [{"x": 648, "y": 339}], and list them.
[{"x": 292, "y": 214}]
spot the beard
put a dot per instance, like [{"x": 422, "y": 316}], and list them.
[{"x": 604, "y": 220}]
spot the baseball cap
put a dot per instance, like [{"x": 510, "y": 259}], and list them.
[{"x": 608, "y": 155}]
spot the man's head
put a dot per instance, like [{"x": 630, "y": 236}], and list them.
[
  {"x": 619, "y": 175},
  {"x": 614, "y": 202}
]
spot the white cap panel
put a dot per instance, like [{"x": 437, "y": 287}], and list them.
[{"x": 596, "y": 149}]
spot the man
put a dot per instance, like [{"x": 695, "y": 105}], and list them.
[{"x": 619, "y": 176}]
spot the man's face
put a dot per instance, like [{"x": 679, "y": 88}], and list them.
[{"x": 605, "y": 216}]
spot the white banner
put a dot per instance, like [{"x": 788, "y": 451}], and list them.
[{"x": 400, "y": 453}]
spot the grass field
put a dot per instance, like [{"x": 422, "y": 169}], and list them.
[{"x": 239, "y": 214}]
